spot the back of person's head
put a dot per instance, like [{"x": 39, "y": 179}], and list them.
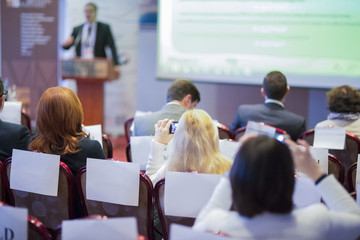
[
  {"x": 180, "y": 88},
  {"x": 343, "y": 99},
  {"x": 195, "y": 146},
  {"x": 262, "y": 177},
  {"x": 59, "y": 119},
  {"x": 275, "y": 85}
]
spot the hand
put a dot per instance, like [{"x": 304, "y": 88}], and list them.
[
  {"x": 117, "y": 71},
  {"x": 68, "y": 42},
  {"x": 162, "y": 131},
  {"x": 303, "y": 159}
]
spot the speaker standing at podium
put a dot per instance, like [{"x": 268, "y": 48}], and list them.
[{"x": 91, "y": 38}]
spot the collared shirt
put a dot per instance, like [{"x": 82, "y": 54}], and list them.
[
  {"x": 269, "y": 100},
  {"x": 87, "y": 44}
]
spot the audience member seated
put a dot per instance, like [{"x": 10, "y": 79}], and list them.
[
  {"x": 344, "y": 105},
  {"x": 194, "y": 147},
  {"x": 261, "y": 185},
  {"x": 181, "y": 95},
  {"x": 11, "y": 135},
  {"x": 274, "y": 90},
  {"x": 59, "y": 130}
]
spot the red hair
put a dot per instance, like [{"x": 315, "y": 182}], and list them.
[{"x": 58, "y": 122}]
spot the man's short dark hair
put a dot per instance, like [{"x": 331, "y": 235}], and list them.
[
  {"x": 275, "y": 85},
  {"x": 262, "y": 177},
  {"x": 1, "y": 87},
  {"x": 343, "y": 99},
  {"x": 93, "y": 5},
  {"x": 180, "y": 88}
]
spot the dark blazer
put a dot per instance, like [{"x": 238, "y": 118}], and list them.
[
  {"x": 12, "y": 136},
  {"x": 272, "y": 114},
  {"x": 103, "y": 38},
  {"x": 87, "y": 149},
  {"x": 144, "y": 125}
]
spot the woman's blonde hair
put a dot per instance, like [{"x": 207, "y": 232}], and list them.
[
  {"x": 195, "y": 146},
  {"x": 58, "y": 122}
]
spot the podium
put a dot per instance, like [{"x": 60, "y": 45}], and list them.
[{"x": 90, "y": 75}]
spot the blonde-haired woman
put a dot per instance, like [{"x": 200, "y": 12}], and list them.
[
  {"x": 194, "y": 147},
  {"x": 59, "y": 129}
]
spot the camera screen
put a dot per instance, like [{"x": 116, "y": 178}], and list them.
[{"x": 173, "y": 127}]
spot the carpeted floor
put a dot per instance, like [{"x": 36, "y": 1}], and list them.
[{"x": 119, "y": 147}]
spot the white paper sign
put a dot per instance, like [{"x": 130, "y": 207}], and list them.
[
  {"x": 186, "y": 193},
  {"x": 181, "y": 232},
  {"x": 330, "y": 138},
  {"x": 321, "y": 156},
  {"x": 357, "y": 187},
  {"x": 305, "y": 192},
  {"x": 259, "y": 129},
  {"x": 140, "y": 150},
  {"x": 11, "y": 112},
  {"x": 94, "y": 229},
  {"x": 95, "y": 132},
  {"x": 35, "y": 172},
  {"x": 229, "y": 148},
  {"x": 112, "y": 181},
  {"x": 13, "y": 223}
]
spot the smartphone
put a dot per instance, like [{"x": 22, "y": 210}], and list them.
[
  {"x": 281, "y": 137},
  {"x": 173, "y": 127}
]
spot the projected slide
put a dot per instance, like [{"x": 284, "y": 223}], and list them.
[{"x": 316, "y": 43}]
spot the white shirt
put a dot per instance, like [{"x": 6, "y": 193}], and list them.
[
  {"x": 269, "y": 100},
  {"x": 87, "y": 51}
]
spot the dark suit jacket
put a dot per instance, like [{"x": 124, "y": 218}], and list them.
[
  {"x": 12, "y": 136},
  {"x": 87, "y": 149},
  {"x": 103, "y": 38},
  {"x": 272, "y": 114}
]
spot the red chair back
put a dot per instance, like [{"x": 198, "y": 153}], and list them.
[
  {"x": 25, "y": 120},
  {"x": 224, "y": 132},
  {"x": 107, "y": 146},
  {"x": 352, "y": 177},
  {"x": 127, "y": 130},
  {"x": 347, "y": 157},
  {"x": 143, "y": 212},
  {"x": 165, "y": 221},
  {"x": 48, "y": 209},
  {"x": 336, "y": 168}
]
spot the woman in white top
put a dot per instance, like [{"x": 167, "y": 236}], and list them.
[
  {"x": 344, "y": 105},
  {"x": 194, "y": 147},
  {"x": 260, "y": 186}
]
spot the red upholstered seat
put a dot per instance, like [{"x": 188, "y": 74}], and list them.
[
  {"x": 143, "y": 212},
  {"x": 48, "y": 209}
]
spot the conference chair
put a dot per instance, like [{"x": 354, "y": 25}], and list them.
[
  {"x": 352, "y": 177},
  {"x": 238, "y": 133},
  {"x": 36, "y": 229},
  {"x": 143, "y": 212},
  {"x": 107, "y": 146},
  {"x": 25, "y": 120},
  {"x": 2, "y": 185},
  {"x": 127, "y": 129},
  {"x": 48, "y": 209},
  {"x": 224, "y": 131},
  {"x": 57, "y": 234},
  {"x": 128, "y": 152},
  {"x": 336, "y": 168},
  {"x": 347, "y": 156},
  {"x": 165, "y": 220}
]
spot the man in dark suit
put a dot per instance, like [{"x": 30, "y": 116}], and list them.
[
  {"x": 181, "y": 96},
  {"x": 91, "y": 38},
  {"x": 274, "y": 90},
  {"x": 11, "y": 135}
]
